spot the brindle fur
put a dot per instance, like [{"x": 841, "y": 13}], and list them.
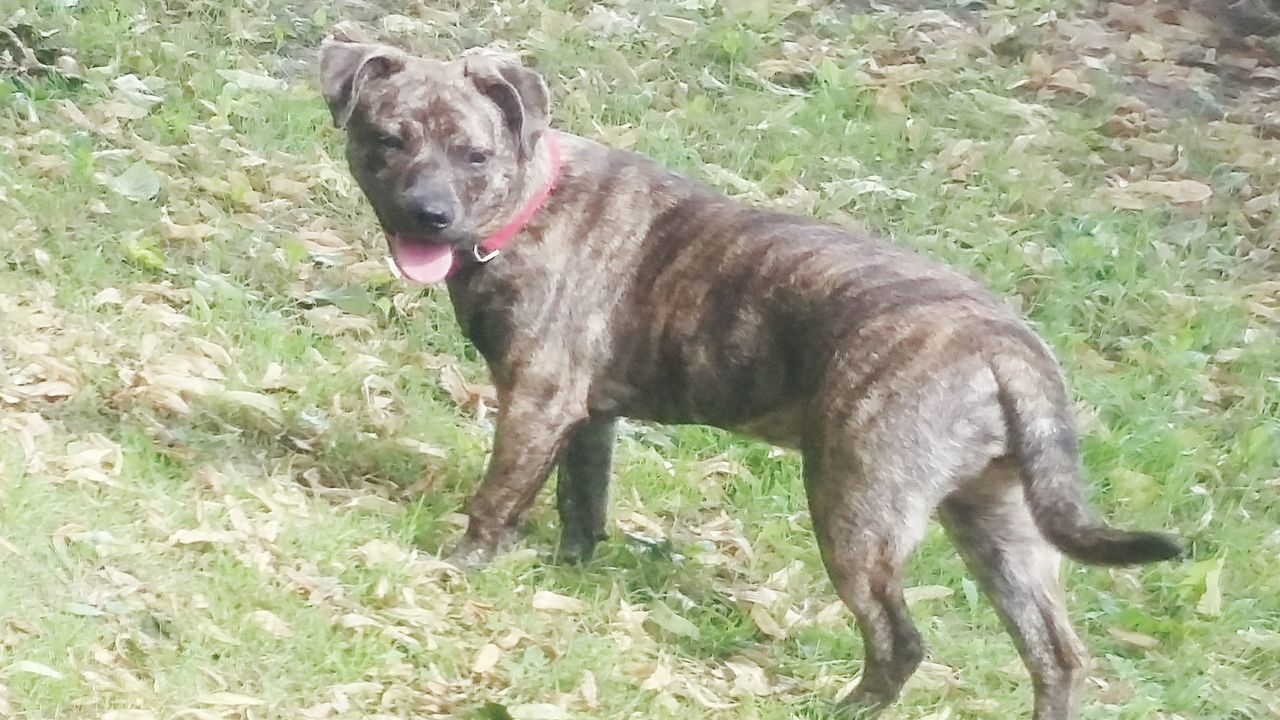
[{"x": 634, "y": 292}]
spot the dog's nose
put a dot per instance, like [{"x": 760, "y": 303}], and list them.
[{"x": 432, "y": 215}]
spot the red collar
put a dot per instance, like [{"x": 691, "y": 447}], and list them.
[{"x": 490, "y": 246}]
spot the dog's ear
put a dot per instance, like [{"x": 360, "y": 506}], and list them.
[
  {"x": 519, "y": 93},
  {"x": 346, "y": 66}
]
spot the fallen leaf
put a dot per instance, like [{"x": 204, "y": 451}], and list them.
[
  {"x": 201, "y": 536},
  {"x": 184, "y": 233},
  {"x": 137, "y": 182},
  {"x": 538, "y": 711},
  {"x": 1256, "y": 206},
  {"x": 889, "y": 99},
  {"x": 229, "y": 699},
  {"x": 108, "y": 296},
  {"x": 128, "y": 715},
  {"x": 264, "y": 405},
  {"x": 464, "y": 393},
  {"x": 678, "y": 26},
  {"x": 31, "y": 667},
  {"x": 383, "y": 552},
  {"x": 921, "y": 593},
  {"x": 658, "y": 679},
  {"x": 705, "y": 697},
  {"x": 422, "y": 448},
  {"x": 403, "y": 25},
  {"x": 1144, "y": 194},
  {"x": 1210, "y": 603},
  {"x": 765, "y": 622},
  {"x": 131, "y": 89},
  {"x": 547, "y": 600},
  {"x": 355, "y": 620},
  {"x": 667, "y": 619},
  {"x": 253, "y": 81},
  {"x": 271, "y": 623},
  {"x": 1179, "y": 191},
  {"x": 487, "y": 659},
  {"x": 748, "y": 678},
  {"x": 588, "y": 690},
  {"x": 1136, "y": 639},
  {"x": 288, "y": 187},
  {"x": 1160, "y": 152},
  {"x": 1066, "y": 79}
]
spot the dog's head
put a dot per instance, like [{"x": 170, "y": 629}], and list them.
[{"x": 441, "y": 149}]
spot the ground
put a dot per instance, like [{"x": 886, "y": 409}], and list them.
[{"x": 234, "y": 444}]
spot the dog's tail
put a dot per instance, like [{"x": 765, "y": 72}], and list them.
[{"x": 1042, "y": 434}]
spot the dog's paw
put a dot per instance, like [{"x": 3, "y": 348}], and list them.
[
  {"x": 478, "y": 549},
  {"x": 862, "y": 704},
  {"x": 468, "y": 555},
  {"x": 576, "y": 549}
]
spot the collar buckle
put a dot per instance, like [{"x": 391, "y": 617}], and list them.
[{"x": 481, "y": 256}]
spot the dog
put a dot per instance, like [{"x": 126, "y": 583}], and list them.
[{"x": 598, "y": 285}]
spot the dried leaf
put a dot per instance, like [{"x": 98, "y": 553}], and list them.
[
  {"x": 422, "y": 448},
  {"x": 748, "y": 678},
  {"x": 547, "y": 600},
  {"x": 464, "y": 393},
  {"x": 658, "y": 679},
  {"x": 1136, "y": 639},
  {"x": 264, "y": 405},
  {"x": 487, "y": 659},
  {"x": 678, "y": 26},
  {"x": 289, "y": 187},
  {"x": 31, "y": 667},
  {"x": 330, "y": 320},
  {"x": 765, "y": 622},
  {"x": 131, "y": 89},
  {"x": 889, "y": 99},
  {"x": 1144, "y": 194},
  {"x": 1179, "y": 191},
  {"x": 137, "y": 182},
  {"x": 271, "y": 623},
  {"x": 588, "y": 690},
  {"x": 1066, "y": 79},
  {"x": 202, "y": 536},
  {"x": 252, "y": 81},
  {"x": 921, "y": 593},
  {"x": 108, "y": 296},
  {"x": 355, "y": 620},
  {"x": 538, "y": 711},
  {"x": 667, "y": 619},
  {"x": 1210, "y": 603},
  {"x": 1256, "y": 206},
  {"x": 184, "y": 233},
  {"x": 229, "y": 699}
]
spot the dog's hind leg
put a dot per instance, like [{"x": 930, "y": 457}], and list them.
[
  {"x": 582, "y": 488},
  {"x": 867, "y": 524},
  {"x": 991, "y": 525}
]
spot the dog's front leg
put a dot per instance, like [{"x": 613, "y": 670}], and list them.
[
  {"x": 531, "y": 432},
  {"x": 582, "y": 489}
]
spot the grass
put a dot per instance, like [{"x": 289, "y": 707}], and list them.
[{"x": 209, "y": 506}]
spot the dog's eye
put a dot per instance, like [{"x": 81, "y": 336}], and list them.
[
  {"x": 391, "y": 141},
  {"x": 477, "y": 157}
]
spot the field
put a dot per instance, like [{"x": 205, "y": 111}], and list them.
[{"x": 234, "y": 445}]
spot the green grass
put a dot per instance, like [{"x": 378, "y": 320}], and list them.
[{"x": 209, "y": 507}]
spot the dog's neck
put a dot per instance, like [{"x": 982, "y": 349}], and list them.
[{"x": 534, "y": 202}]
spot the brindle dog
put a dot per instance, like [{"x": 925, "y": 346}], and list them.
[{"x": 633, "y": 292}]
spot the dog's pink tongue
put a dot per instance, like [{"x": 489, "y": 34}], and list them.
[{"x": 426, "y": 263}]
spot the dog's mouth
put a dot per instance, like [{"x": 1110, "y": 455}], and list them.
[{"x": 422, "y": 259}]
